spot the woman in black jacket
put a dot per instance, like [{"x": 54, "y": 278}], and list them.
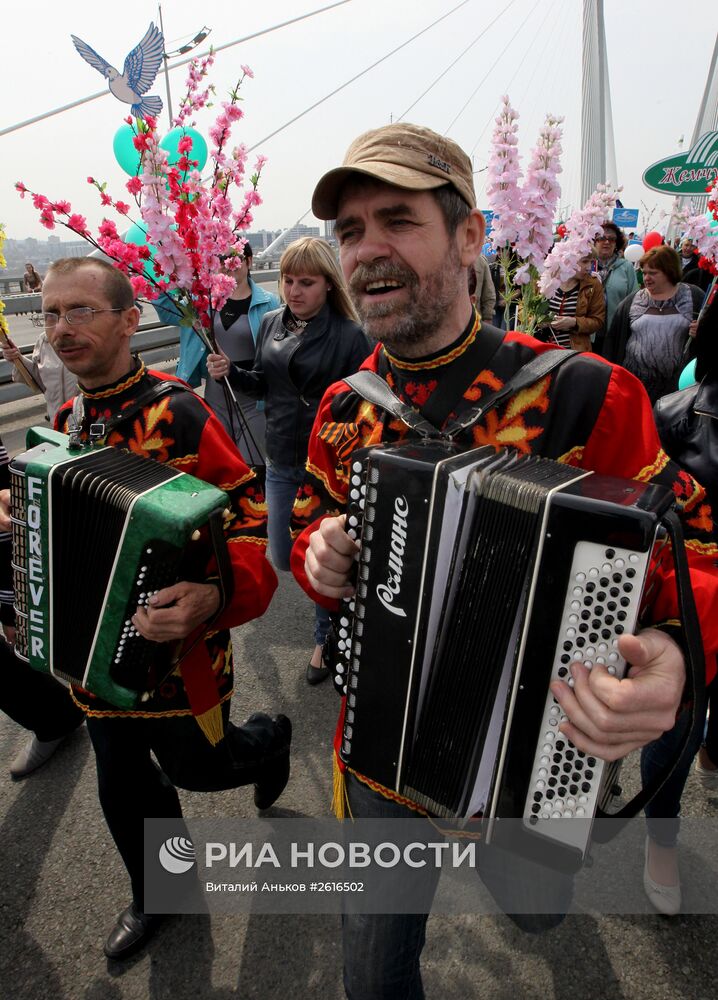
[{"x": 302, "y": 349}]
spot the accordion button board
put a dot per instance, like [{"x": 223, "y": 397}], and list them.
[
  {"x": 481, "y": 577},
  {"x": 96, "y": 532},
  {"x": 602, "y": 602}
]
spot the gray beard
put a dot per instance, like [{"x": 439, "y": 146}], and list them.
[{"x": 428, "y": 305}]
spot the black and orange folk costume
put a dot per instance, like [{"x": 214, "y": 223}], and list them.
[
  {"x": 588, "y": 414},
  {"x": 180, "y": 430}
]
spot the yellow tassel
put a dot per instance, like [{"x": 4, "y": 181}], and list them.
[
  {"x": 340, "y": 802},
  {"x": 211, "y": 724}
]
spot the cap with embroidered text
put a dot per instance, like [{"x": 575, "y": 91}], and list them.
[{"x": 407, "y": 156}]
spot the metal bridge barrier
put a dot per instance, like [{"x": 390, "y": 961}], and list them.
[{"x": 153, "y": 341}]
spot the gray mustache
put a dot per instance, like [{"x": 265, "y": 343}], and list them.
[{"x": 377, "y": 272}]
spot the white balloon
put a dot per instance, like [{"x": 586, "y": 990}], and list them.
[{"x": 633, "y": 252}]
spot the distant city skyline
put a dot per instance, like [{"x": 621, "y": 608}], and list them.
[{"x": 41, "y": 252}]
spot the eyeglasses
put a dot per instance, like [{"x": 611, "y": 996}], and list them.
[
  {"x": 605, "y": 239},
  {"x": 80, "y": 316}
]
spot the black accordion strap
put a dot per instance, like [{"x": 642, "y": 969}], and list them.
[
  {"x": 99, "y": 431},
  {"x": 534, "y": 371},
  {"x": 695, "y": 690},
  {"x": 460, "y": 376},
  {"x": 154, "y": 392},
  {"x": 225, "y": 579},
  {"x": 374, "y": 389}
]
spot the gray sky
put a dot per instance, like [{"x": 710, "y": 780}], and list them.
[{"x": 657, "y": 64}]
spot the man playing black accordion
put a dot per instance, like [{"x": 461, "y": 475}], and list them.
[{"x": 408, "y": 228}]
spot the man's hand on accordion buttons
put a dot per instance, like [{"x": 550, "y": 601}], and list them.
[
  {"x": 4, "y": 510},
  {"x": 330, "y": 557},
  {"x": 176, "y": 611},
  {"x": 608, "y": 717}
]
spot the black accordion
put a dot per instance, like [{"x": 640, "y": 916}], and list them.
[{"x": 481, "y": 577}]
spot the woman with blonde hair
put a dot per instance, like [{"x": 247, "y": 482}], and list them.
[{"x": 302, "y": 348}]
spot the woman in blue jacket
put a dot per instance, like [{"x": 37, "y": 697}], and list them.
[{"x": 236, "y": 327}]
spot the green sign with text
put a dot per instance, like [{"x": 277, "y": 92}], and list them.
[{"x": 686, "y": 173}]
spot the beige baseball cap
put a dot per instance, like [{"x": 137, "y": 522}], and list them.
[{"x": 407, "y": 156}]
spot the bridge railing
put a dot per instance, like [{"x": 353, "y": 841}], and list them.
[
  {"x": 25, "y": 302},
  {"x": 154, "y": 341}
]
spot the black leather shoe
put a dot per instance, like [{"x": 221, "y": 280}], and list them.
[
  {"x": 131, "y": 932},
  {"x": 315, "y": 675},
  {"x": 276, "y": 771}
]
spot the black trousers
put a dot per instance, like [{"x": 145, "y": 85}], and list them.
[
  {"x": 132, "y": 788},
  {"x": 36, "y": 701}
]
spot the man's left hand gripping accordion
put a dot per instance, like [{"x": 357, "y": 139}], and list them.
[
  {"x": 481, "y": 577},
  {"x": 96, "y": 533}
]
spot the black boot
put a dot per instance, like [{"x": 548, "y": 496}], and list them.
[
  {"x": 276, "y": 771},
  {"x": 131, "y": 932}
]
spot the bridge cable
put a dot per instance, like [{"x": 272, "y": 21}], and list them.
[
  {"x": 460, "y": 56},
  {"x": 356, "y": 77}
]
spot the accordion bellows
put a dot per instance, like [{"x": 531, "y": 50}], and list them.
[
  {"x": 95, "y": 534},
  {"x": 481, "y": 577}
]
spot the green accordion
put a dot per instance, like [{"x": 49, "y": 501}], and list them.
[{"x": 96, "y": 532}]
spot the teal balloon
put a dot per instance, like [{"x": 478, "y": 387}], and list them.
[
  {"x": 136, "y": 234},
  {"x": 125, "y": 153},
  {"x": 713, "y": 222},
  {"x": 688, "y": 375},
  {"x": 198, "y": 152}
]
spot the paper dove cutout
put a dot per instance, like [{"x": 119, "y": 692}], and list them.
[{"x": 138, "y": 74}]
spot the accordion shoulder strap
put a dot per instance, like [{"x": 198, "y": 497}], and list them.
[
  {"x": 99, "y": 431},
  {"x": 374, "y": 389},
  {"x": 532, "y": 372}
]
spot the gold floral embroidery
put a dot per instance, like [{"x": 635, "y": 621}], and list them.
[
  {"x": 487, "y": 379},
  {"x": 532, "y": 397},
  {"x": 147, "y": 437},
  {"x": 510, "y": 427}
]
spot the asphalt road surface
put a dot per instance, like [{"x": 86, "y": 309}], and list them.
[{"x": 62, "y": 883}]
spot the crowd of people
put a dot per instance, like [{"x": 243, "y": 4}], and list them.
[{"x": 397, "y": 303}]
